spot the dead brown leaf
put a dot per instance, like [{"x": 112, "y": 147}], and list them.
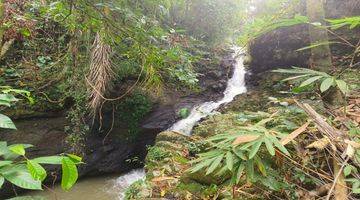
[
  {"x": 245, "y": 138},
  {"x": 163, "y": 178},
  {"x": 294, "y": 134},
  {"x": 319, "y": 144}
]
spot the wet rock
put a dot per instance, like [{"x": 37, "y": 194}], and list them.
[{"x": 215, "y": 74}]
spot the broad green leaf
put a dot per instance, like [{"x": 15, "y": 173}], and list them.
[
  {"x": 317, "y": 45},
  {"x": 18, "y": 149},
  {"x": 222, "y": 171},
  {"x": 214, "y": 164},
  {"x": 297, "y": 70},
  {"x": 10, "y": 155},
  {"x": 239, "y": 172},
  {"x": 4, "y": 103},
  {"x": 356, "y": 187},
  {"x": 5, "y": 162},
  {"x": 310, "y": 81},
  {"x": 2, "y": 180},
  {"x": 326, "y": 84},
  {"x": 269, "y": 146},
  {"x": 23, "y": 179},
  {"x": 279, "y": 145},
  {"x": 3, "y": 148},
  {"x": 8, "y": 98},
  {"x": 69, "y": 173},
  {"x": 260, "y": 166},
  {"x": 229, "y": 160},
  {"x": 347, "y": 170},
  {"x": 296, "y": 77},
  {"x": 6, "y": 122},
  {"x": 75, "y": 158},
  {"x": 201, "y": 165},
  {"x": 239, "y": 153},
  {"x": 36, "y": 170},
  {"x": 247, "y": 145},
  {"x": 54, "y": 160},
  {"x": 250, "y": 170},
  {"x": 255, "y": 148},
  {"x": 342, "y": 86}
]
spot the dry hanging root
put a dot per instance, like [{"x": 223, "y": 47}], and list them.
[{"x": 101, "y": 74}]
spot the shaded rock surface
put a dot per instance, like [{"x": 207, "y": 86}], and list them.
[
  {"x": 115, "y": 153},
  {"x": 277, "y": 49}
]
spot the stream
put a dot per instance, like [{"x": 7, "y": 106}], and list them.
[{"x": 113, "y": 187}]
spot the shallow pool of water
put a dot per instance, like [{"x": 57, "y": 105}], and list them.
[{"x": 98, "y": 188}]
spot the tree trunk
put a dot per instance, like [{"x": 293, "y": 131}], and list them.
[
  {"x": 1, "y": 21},
  {"x": 321, "y": 55}
]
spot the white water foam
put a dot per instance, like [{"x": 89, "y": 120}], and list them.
[
  {"x": 235, "y": 86},
  {"x": 123, "y": 182}
]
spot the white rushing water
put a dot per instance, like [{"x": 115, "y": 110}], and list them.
[
  {"x": 110, "y": 188},
  {"x": 235, "y": 86},
  {"x": 123, "y": 182}
]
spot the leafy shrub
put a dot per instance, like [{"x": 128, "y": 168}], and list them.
[
  {"x": 327, "y": 81},
  {"x": 240, "y": 152},
  {"x": 138, "y": 190},
  {"x": 133, "y": 109},
  {"x": 27, "y": 173},
  {"x": 156, "y": 154}
]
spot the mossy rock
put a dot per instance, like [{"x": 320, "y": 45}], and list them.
[
  {"x": 252, "y": 101},
  {"x": 170, "y": 146},
  {"x": 171, "y": 136},
  {"x": 217, "y": 124},
  {"x": 202, "y": 178}
]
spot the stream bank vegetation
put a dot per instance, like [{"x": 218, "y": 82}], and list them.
[
  {"x": 298, "y": 139},
  {"x": 87, "y": 58}
]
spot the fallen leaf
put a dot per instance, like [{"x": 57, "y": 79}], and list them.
[
  {"x": 319, "y": 144},
  {"x": 354, "y": 144},
  {"x": 294, "y": 134},
  {"x": 245, "y": 138},
  {"x": 163, "y": 178},
  {"x": 350, "y": 151},
  {"x": 162, "y": 193}
]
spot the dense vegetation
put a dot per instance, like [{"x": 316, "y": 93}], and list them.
[{"x": 101, "y": 61}]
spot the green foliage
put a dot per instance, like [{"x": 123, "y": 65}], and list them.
[
  {"x": 240, "y": 152},
  {"x": 6, "y": 99},
  {"x": 184, "y": 112},
  {"x": 311, "y": 76},
  {"x": 28, "y": 173},
  {"x": 138, "y": 190},
  {"x": 210, "y": 20},
  {"x": 263, "y": 16},
  {"x": 17, "y": 168},
  {"x": 69, "y": 173},
  {"x": 156, "y": 154},
  {"x": 260, "y": 26},
  {"x": 133, "y": 109},
  {"x": 352, "y": 22}
]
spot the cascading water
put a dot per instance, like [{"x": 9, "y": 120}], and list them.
[
  {"x": 123, "y": 182},
  {"x": 235, "y": 86},
  {"x": 105, "y": 188}
]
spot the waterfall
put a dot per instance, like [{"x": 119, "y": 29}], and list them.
[{"x": 235, "y": 86}]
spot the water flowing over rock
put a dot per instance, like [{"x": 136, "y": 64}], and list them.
[{"x": 235, "y": 86}]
